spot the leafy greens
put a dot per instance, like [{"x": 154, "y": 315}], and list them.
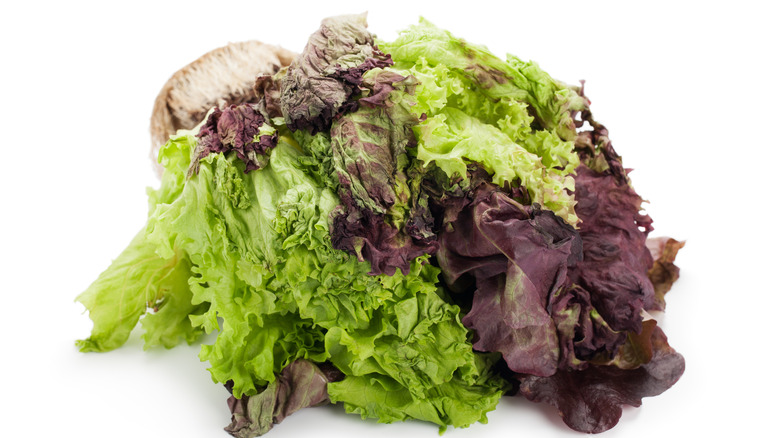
[{"x": 412, "y": 229}]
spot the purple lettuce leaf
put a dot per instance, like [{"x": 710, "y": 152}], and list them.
[
  {"x": 565, "y": 312},
  {"x": 610, "y": 354},
  {"x": 615, "y": 258},
  {"x": 369, "y": 152},
  {"x": 301, "y": 384},
  {"x": 590, "y": 400},
  {"x": 234, "y": 129},
  {"x": 319, "y": 84},
  {"x": 593, "y": 144},
  {"x": 372, "y": 239},
  {"x": 384, "y": 217},
  {"x": 268, "y": 89},
  {"x": 583, "y": 334},
  {"x": 664, "y": 272},
  {"x": 516, "y": 256}
]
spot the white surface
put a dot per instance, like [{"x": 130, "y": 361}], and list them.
[{"x": 689, "y": 93}]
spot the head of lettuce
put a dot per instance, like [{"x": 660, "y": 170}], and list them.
[{"x": 411, "y": 229}]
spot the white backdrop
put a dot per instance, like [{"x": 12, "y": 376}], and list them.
[{"x": 688, "y": 90}]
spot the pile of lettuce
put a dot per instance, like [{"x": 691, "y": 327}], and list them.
[{"x": 412, "y": 229}]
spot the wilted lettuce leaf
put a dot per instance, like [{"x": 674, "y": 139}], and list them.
[
  {"x": 664, "y": 272},
  {"x": 319, "y": 83},
  {"x": 300, "y": 385}
]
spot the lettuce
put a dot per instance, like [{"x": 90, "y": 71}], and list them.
[
  {"x": 254, "y": 256},
  {"x": 300, "y": 385},
  {"x": 509, "y": 116},
  {"x": 320, "y": 82},
  {"x": 411, "y": 229},
  {"x": 591, "y": 400},
  {"x": 515, "y": 256},
  {"x": 136, "y": 281}
]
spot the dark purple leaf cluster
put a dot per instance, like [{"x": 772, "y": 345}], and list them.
[
  {"x": 566, "y": 307},
  {"x": 515, "y": 256},
  {"x": 591, "y": 400},
  {"x": 234, "y": 129}
]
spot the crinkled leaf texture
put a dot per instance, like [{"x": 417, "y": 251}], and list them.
[
  {"x": 509, "y": 116},
  {"x": 259, "y": 268},
  {"x": 384, "y": 217},
  {"x": 616, "y": 260},
  {"x": 418, "y": 224},
  {"x": 240, "y": 129},
  {"x": 516, "y": 256},
  {"x": 320, "y": 83}
]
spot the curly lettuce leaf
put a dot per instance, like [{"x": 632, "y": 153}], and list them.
[
  {"x": 459, "y": 403},
  {"x": 520, "y": 81},
  {"x": 227, "y": 221},
  {"x": 616, "y": 261},
  {"x": 241, "y": 129},
  {"x": 452, "y": 139},
  {"x": 277, "y": 290},
  {"x": 515, "y": 257},
  {"x": 530, "y": 110}
]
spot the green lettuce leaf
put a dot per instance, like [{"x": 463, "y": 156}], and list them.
[
  {"x": 509, "y": 116},
  {"x": 275, "y": 288},
  {"x": 141, "y": 283},
  {"x": 137, "y": 281},
  {"x": 453, "y": 138}
]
